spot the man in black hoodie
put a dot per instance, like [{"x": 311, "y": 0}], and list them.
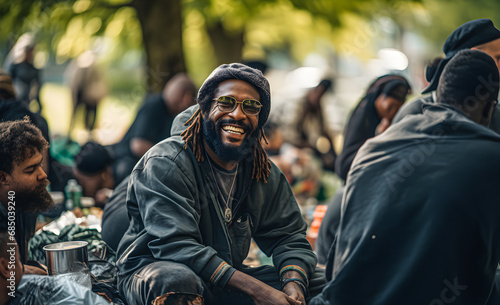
[
  {"x": 196, "y": 199},
  {"x": 420, "y": 217}
]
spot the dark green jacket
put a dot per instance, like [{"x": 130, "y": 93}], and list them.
[{"x": 174, "y": 216}]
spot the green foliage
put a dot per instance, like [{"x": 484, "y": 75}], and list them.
[
  {"x": 68, "y": 27},
  {"x": 65, "y": 28},
  {"x": 439, "y": 25}
]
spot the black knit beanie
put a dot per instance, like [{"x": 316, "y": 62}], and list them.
[
  {"x": 468, "y": 35},
  {"x": 241, "y": 72},
  {"x": 92, "y": 158}
]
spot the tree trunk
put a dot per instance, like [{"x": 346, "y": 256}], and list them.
[
  {"x": 228, "y": 46},
  {"x": 161, "y": 24}
]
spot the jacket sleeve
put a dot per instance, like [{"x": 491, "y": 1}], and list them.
[
  {"x": 167, "y": 200},
  {"x": 281, "y": 229}
]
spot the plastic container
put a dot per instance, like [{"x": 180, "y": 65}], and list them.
[
  {"x": 73, "y": 192},
  {"x": 313, "y": 231}
]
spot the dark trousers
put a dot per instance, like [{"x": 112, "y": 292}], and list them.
[{"x": 160, "y": 279}]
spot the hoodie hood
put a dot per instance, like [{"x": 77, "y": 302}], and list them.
[{"x": 178, "y": 124}]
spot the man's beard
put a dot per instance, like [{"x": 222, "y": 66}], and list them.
[
  {"x": 37, "y": 200},
  {"x": 211, "y": 132}
]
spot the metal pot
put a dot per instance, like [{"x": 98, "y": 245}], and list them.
[{"x": 67, "y": 257}]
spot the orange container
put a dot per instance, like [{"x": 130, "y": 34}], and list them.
[{"x": 312, "y": 234}]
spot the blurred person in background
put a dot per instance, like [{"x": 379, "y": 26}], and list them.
[
  {"x": 259, "y": 64},
  {"x": 372, "y": 116},
  {"x": 420, "y": 220},
  {"x": 311, "y": 125},
  {"x": 11, "y": 109},
  {"x": 301, "y": 167},
  {"x": 88, "y": 88},
  {"x": 25, "y": 75},
  {"x": 479, "y": 34},
  {"x": 94, "y": 173},
  {"x": 152, "y": 123}
]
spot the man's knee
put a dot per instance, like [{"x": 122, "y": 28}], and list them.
[
  {"x": 179, "y": 298},
  {"x": 171, "y": 277},
  {"x": 159, "y": 279}
]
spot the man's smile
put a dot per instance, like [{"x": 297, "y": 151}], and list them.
[{"x": 233, "y": 129}]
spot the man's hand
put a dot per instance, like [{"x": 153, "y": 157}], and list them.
[
  {"x": 294, "y": 291},
  {"x": 102, "y": 196},
  {"x": 28, "y": 269},
  {"x": 384, "y": 124},
  {"x": 271, "y": 296},
  {"x": 261, "y": 293}
]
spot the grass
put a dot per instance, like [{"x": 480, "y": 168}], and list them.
[{"x": 115, "y": 114}]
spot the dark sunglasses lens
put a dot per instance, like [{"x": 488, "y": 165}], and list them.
[
  {"x": 252, "y": 107},
  {"x": 226, "y": 103}
]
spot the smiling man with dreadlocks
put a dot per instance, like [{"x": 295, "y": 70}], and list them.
[{"x": 196, "y": 199}]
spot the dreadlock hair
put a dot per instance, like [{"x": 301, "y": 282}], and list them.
[
  {"x": 18, "y": 141},
  {"x": 193, "y": 134},
  {"x": 261, "y": 164}
]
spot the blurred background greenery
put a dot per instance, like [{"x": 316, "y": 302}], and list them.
[{"x": 141, "y": 44}]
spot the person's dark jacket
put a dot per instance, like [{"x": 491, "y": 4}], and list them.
[
  {"x": 416, "y": 106},
  {"x": 12, "y": 109},
  {"x": 24, "y": 225},
  {"x": 421, "y": 216},
  {"x": 175, "y": 215},
  {"x": 329, "y": 226},
  {"x": 360, "y": 127},
  {"x": 152, "y": 123},
  {"x": 115, "y": 216},
  {"x": 26, "y": 78}
]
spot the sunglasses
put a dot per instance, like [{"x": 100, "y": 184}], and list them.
[{"x": 228, "y": 104}]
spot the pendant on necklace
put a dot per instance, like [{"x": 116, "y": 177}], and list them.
[{"x": 228, "y": 215}]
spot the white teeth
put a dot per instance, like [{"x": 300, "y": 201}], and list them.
[{"x": 233, "y": 129}]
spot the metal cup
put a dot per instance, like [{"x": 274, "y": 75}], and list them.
[{"x": 66, "y": 257}]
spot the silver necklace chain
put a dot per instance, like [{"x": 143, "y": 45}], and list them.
[{"x": 227, "y": 212}]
